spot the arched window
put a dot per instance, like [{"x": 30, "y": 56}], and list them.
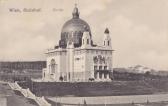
[
  {"x": 104, "y": 43},
  {"x": 108, "y": 42},
  {"x": 53, "y": 66},
  {"x": 87, "y": 41}
]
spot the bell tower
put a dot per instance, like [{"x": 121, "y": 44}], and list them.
[
  {"x": 107, "y": 38},
  {"x": 86, "y": 39}
]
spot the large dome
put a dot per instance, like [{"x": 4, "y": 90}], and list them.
[
  {"x": 73, "y": 29},
  {"x": 75, "y": 25}
]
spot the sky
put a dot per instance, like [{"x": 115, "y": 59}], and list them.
[{"x": 138, "y": 28}]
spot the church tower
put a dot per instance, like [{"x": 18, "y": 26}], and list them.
[
  {"x": 107, "y": 39},
  {"x": 86, "y": 39}
]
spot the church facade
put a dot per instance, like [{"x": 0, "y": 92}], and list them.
[{"x": 77, "y": 58}]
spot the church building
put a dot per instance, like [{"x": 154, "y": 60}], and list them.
[{"x": 77, "y": 58}]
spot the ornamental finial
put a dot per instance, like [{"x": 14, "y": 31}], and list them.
[
  {"x": 75, "y": 12},
  {"x": 76, "y": 5}
]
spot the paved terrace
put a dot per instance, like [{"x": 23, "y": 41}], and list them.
[{"x": 113, "y": 99}]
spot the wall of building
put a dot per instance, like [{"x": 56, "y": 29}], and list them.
[
  {"x": 90, "y": 64},
  {"x": 78, "y": 64},
  {"x": 49, "y": 75},
  {"x": 63, "y": 65}
]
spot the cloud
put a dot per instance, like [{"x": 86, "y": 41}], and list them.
[
  {"x": 138, "y": 44},
  {"x": 95, "y": 6}
]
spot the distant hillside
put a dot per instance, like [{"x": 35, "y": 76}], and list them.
[
  {"x": 138, "y": 72},
  {"x": 21, "y": 65},
  {"x": 30, "y": 68},
  {"x": 142, "y": 70}
]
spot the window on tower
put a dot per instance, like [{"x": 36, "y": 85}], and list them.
[
  {"x": 108, "y": 43},
  {"x": 53, "y": 66},
  {"x": 87, "y": 41}
]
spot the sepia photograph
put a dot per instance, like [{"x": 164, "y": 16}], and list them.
[{"x": 83, "y": 53}]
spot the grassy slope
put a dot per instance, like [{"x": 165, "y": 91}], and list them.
[{"x": 98, "y": 88}]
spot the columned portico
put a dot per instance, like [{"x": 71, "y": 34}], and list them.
[
  {"x": 98, "y": 76},
  {"x": 102, "y": 76}
]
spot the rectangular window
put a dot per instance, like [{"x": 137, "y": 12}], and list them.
[
  {"x": 100, "y": 67},
  {"x": 105, "y": 67},
  {"x": 100, "y": 75},
  {"x": 95, "y": 67},
  {"x": 105, "y": 75}
]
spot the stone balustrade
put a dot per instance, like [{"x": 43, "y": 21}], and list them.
[{"x": 28, "y": 94}]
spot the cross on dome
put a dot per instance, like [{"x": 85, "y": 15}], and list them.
[
  {"x": 75, "y": 4},
  {"x": 75, "y": 12}
]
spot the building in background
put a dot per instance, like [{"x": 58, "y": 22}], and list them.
[{"x": 77, "y": 58}]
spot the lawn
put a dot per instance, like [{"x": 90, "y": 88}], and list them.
[{"x": 96, "y": 88}]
